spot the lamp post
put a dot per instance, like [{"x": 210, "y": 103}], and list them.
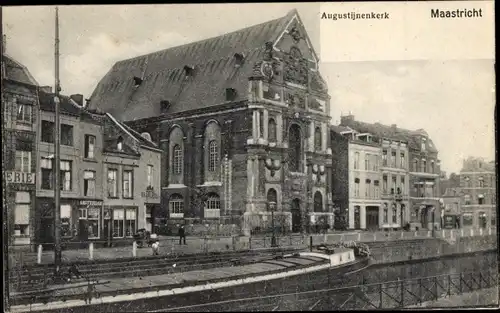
[
  {"x": 272, "y": 207},
  {"x": 433, "y": 218}
]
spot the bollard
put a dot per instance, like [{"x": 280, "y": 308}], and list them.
[
  {"x": 39, "y": 255},
  {"x": 134, "y": 249},
  {"x": 91, "y": 251}
]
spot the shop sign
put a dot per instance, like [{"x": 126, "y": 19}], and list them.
[
  {"x": 90, "y": 203},
  {"x": 19, "y": 177}
]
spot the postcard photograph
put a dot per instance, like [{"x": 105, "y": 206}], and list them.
[{"x": 249, "y": 157}]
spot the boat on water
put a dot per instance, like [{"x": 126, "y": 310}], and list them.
[{"x": 334, "y": 260}]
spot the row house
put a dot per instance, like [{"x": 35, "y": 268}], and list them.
[
  {"x": 243, "y": 122},
  {"x": 109, "y": 175},
  {"x": 408, "y": 195},
  {"x": 364, "y": 209},
  {"x": 19, "y": 125},
  {"x": 478, "y": 193}
]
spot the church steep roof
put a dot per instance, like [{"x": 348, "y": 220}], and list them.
[{"x": 163, "y": 74}]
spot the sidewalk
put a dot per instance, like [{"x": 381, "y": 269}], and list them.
[{"x": 200, "y": 245}]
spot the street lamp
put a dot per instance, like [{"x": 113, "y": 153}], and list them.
[
  {"x": 272, "y": 207},
  {"x": 433, "y": 218}
]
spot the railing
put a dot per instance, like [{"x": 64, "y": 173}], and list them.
[
  {"x": 97, "y": 250},
  {"x": 387, "y": 295}
]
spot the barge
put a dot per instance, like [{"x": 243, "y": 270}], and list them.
[{"x": 166, "y": 291}]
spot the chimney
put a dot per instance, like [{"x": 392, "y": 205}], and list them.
[
  {"x": 78, "y": 98},
  {"x": 46, "y": 89},
  {"x": 394, "y": 126},
  {"x": 4, "y": 44}
]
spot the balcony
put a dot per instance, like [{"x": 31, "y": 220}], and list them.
[{"x": 424, "y": 174}]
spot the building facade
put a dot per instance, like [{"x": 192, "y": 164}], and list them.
[
  {"x": 409, "y": 194},
  {"x": 88, "y": 155},
  {"x": 19, "y": 123},
  {"x": 364, "y": 210},
  {"x": 253, "y": 145},
  {"x": 478, "y": 193}
]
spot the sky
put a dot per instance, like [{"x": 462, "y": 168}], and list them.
[{"x": 451, "y": 98}]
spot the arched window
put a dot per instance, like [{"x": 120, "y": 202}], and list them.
[
  {"x": 481, "y": 182},
  {"x": 212, "y": 152},
  {"x": 212, "y": 206},
  {"x": 213, "y": 158},
  {"x": 386, "y": 213},
  {"x": 295, "y": 148},
  {"x": 176, "y": 156},
  {"x": 272, "y": 196},
  {"x": 176, "y": 205},
  {"x": 424, "y": 166},
  {"x": 177, "y": 159},
  {"x": 317, "y": 139},
  {"x": 272, "y": 130},
  {"x": 394, "y": 214},
  {"x": 318, "y": 202}
]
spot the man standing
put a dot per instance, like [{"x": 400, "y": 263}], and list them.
[{"x": 182, "y": 235}]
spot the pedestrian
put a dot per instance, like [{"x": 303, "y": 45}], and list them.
[
  {"x": 182, "y": 235},
  {"x": 73, "y": 271},
  {"x": 156, "y": 247}
]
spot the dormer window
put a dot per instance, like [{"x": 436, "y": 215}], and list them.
[
  {"x": 230, "y": 94},
  {"x": 137, "y": 81},
  {"x": 239, "y": 59},
  {"x": 188, "y": 71},
  {"x": 119, "y": 145},
  {"x": 423, "y": 144},
  {"x": 165, "y": 105}
]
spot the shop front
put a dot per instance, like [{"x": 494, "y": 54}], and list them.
[
  {"x": 45, "y": 221},
  {"x": 20, "y": 198},
  {"x": 89, "y": 220},
  {"x": 120, "y": 223}
]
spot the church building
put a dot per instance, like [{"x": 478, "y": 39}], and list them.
[{"x": 243, "y": 122}]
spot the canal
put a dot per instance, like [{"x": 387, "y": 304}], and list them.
[{"x": 233, "y": 299}]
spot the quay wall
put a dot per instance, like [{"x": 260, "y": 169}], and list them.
[{"x": 419, "y": 249}]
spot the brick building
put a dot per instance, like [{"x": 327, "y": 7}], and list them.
[
  {"x": 237, "y": 116},
  {"x": 19, "y": 123},
  {"x": 478, "y": 193},
  {"x": 105, "y": 171},
  {"x": 410, "y": 174}
]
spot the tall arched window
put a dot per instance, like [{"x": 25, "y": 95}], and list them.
[
  {"x": 295, "y": 148},
  {"x": 272, "y": 130},
  {"x": 317, "y": 139},
  {"x": 213, "y": 158},
  {"x": 177, "y": 159},
  {"x": 212, "y": 206},
  {"x": 424, "y": 166},
  {"x": 212, "y": 152},
  {"x": 176, "y": 205},
  {"x": 318, "y": 202},
  {"x": 272, "y": 196},
  {"x": 176, "y": 156}
]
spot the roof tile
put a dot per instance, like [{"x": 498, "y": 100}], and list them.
[{"x": 164, "y": 77}]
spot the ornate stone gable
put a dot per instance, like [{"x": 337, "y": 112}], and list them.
[{"x": 295, "y": 67}]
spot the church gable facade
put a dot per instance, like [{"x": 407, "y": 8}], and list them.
[{"x": 259, "y": 153}]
